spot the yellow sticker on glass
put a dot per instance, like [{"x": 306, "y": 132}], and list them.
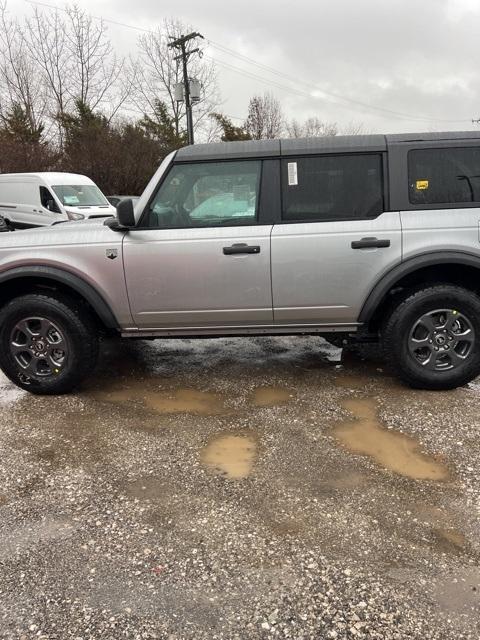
[{"x": 420, "y": 185}]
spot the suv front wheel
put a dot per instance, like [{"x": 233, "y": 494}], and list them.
[
  {"x": 47, "y": 345},
  {"x": 432, "y": 338}
]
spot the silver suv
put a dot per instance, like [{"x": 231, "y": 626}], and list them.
[{"x": 356, "y": 238}]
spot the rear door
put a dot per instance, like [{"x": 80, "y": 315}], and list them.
[
  {"x": 200, "y": 257},
  {"x": 335, "y": 239}
]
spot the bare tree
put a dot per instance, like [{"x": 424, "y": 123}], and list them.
[
  {"x": 265, "y": 118},
  {"x": 45, "y": 43},
  {"x": 96, "y": 76},
  {"x": 312, "y": 128},
  {"x": 158, "y": 72},
  {"x": 75, "y": 60},
  {"x": 20, "y": 85},
  {"x": 354, "y": 129}
]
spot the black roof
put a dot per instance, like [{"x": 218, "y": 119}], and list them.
[
  {"x": 223, "y": 150},
  {"x": 431, "y": 136},
  {"x": 305, "y": 146},
  {"x": 332, "y": 144}
]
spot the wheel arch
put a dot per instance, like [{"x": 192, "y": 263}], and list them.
[
  {"x": 28, "y": 278},
  {"x": 439, "y": 266}
]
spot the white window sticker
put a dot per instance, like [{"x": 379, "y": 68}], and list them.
[
  {"x": 71, "y": 200},
  {"x": 292, "y": 174}
]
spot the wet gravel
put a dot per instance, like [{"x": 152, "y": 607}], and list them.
[{"x": 112, "y": 525}]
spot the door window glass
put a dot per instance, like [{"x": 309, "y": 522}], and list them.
[
  {"x": 333, "y": 187},
  {"x": 444, "y": 176},
  {"x": 48, "y": 201},
  {"x": 206, "y": 195}
]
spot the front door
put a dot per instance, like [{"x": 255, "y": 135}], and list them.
[
  {"x": 335, "y": 240},
  {"x": 199, "y": 258}
]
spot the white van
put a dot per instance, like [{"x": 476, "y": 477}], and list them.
[{"x": 39, "y": 199}]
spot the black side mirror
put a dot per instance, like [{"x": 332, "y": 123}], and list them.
[
  {"x": 4, "y": 225},
  {"x": 125, "y": 217},
  {"x": 125, "y": 213}
]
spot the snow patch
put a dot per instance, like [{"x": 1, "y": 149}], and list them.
[{"x": 9, "y": 393}]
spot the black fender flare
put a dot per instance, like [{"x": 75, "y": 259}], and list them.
[
  {"x": 388, "y": 280},
  {"x": 84, "y": 289}
]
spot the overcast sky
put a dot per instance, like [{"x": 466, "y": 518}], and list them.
[{"x": 417, "y": 59}]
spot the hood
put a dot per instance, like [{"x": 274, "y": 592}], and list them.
[
  {"x": 61, "y": 233},
  {"x": 90, "y": 212}
]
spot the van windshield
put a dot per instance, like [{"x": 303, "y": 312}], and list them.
[{"x": 80, "y": 195}]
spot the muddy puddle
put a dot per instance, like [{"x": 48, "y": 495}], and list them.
[
  {"x": 366, "y": 435},
  {"x": 448, "y": 538},
  {"x": 231, "y": 455},
  {"x": 203, "y": 403},
  {"x": 271, "y": 396},
  {"x": 459, "y": 593}
]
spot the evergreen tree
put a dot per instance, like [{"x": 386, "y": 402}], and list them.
[{"x": 229, "y": 131}]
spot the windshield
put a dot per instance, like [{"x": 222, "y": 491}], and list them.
[{"x": 80, "y": 195}]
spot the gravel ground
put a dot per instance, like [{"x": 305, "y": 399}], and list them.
[{"x": 202, "y": 489}]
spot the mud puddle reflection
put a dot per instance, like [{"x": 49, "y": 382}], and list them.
[
  {"x": 270, "y": 396},
  {"x": 203, "y": 403},
  {"x": 231, "y": 455},
  {"x": 395, "y": 451}
]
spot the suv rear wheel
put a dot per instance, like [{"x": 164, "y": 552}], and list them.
[
  {"x": 47, "y": 345},
  {"x": 432, "y": 338}
]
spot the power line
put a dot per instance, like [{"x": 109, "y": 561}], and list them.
[
  {"x": 101, "y": 18},
  {"x": 304, "y": 94},
  {"x": 244, "y": 58},
  {"x": 281, "y": 74}
]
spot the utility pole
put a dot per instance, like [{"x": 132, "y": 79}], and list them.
[{"x": 180, "y": 43}]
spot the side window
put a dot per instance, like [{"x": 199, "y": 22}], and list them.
[
  {"x": 444, "y": 176},
  {"x": 47, "y": 200},
  {"x": 333, "y": 187},
  {"x": 208, "y": 194}
]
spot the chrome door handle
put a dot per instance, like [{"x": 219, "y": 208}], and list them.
[
  {"x": 370, "y": 243},
  {"x": 236, "y": 249}
]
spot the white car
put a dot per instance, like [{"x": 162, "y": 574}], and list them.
[{"x": 40, "y": 199}]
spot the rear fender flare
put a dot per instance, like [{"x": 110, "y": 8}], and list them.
[{"x": 388, "y": 281}]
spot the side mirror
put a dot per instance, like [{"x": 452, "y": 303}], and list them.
[{"x": 125, "y": 213}]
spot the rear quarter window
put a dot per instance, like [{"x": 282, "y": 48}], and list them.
[{"x": 444, "y": 176}]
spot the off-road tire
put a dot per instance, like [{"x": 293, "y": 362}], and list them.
[
  {"x": 401, "y": 322},
  {"x": 80, "y": 338}
]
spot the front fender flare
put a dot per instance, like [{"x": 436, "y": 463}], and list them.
[{"x": 70, "y": 280}]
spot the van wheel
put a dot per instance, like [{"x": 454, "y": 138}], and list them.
[
  {"x": 432, "y": 338},
  {"x": 47, "y": 345}
]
